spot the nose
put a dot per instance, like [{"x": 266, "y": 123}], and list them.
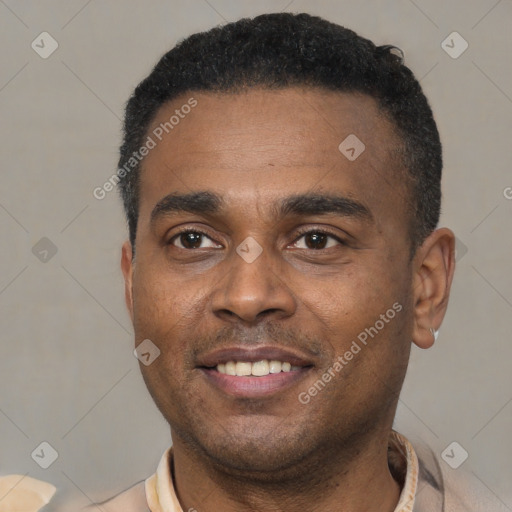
[{"x": 253, "y": 290}]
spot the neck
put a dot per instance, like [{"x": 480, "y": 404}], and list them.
[{"x": 354, "y": 480}]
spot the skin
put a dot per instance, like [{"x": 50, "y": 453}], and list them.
[{"x": 309, "y": 293}]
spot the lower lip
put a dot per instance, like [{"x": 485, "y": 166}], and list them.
[{"x": 254, "y": 387}]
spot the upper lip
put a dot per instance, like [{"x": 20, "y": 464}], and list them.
[{"x": 223, "y": 355}]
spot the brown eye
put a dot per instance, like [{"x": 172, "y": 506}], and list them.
[
  {"x": 192, "y": 240},
  {"x": 316, "y": 240}
]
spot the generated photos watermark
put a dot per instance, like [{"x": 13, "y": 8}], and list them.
[
  {"x": 342, "y": 361},
  {"x": 151, "y": 142}
]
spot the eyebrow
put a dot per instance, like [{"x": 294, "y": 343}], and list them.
[
  {"x": 209, "y": 203},
  {"x": 321, "y": 204},
  {"x": 199, "y": 203}
]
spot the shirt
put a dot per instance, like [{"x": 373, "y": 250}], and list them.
[
  {"x": 425, "y": 486},
  {"x": 162, "y": 498}
]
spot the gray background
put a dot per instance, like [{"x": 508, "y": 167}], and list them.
[{"x": 67, "y": 372}]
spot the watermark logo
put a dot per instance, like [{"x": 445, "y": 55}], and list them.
[
  {"x": 249, "y": 249},
  {"x": 151, "y": 142},
  {"x": 351, "y": 147},
  {"x": 454, "y": 455},
  {"x": 175, "y": 119},
  {"x": 44, "y": 45},
  {"x": 45, "y": 455},
  {"x": 44, "y": 250},
  {"x": 342, "y": 361},
  {"x": 454, "y": 45},
  {"x": 461, "y": 249},
  {"x": 146, "y": 352}
]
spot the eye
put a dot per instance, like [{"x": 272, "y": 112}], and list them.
[
  {"x": 317, "y": 240},
  {"x": 192, "y": 240}
]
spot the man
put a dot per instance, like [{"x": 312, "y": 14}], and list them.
[{"x": 281, "y": 181}]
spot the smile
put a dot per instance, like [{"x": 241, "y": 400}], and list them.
[
  {"x": 254, "y": 372},
  {"x": 256, "y": 369}
]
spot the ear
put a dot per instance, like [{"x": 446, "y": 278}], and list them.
[
  {"x": 434, "y": 265},
  {"x": 127, "y": 266}
]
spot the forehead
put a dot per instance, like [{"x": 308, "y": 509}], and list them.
[{"x": 269, "y": 143}]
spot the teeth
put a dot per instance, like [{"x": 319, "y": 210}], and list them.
[
  {"x": 257, "y": 369},
  {"x": 275, "y": 366},
  {"x": 243, "y": 369},
  {"x": 260, "y": 368},
  {"x": 230, "y": 368}
]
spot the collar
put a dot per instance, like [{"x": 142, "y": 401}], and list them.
[
  {"x": 404, "y": 466},
  {"x": 403, "y": 463}
]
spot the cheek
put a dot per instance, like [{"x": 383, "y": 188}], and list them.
[
  {"x": 350, "y": 297},
  {"x": 163, "y": 313},
  {"x": 360, "y": 305},
  {"x": 161, "y": 303},
  {"x": 160, "y": 313}
]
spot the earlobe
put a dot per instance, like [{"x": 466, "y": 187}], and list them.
[
  {"x": 434, "y": 268},
  {"x": 127, "y": 269}
]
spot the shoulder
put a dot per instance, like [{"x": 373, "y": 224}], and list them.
[
  {"x": 130, "y": 500},
  {"x": 451, "y": 490},
  {"x": 466, "y": 492},
  {"x": 145, "y": 496}
]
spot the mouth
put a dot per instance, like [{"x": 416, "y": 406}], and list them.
[
  {"x": 257, "y": 369},
  {"x": 261, "y": 372}
]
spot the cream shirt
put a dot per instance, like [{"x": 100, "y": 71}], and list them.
[
  {"x": 161, "y": 496},
  {"x": 428, "y": 485}
]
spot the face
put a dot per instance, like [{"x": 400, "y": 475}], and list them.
[{"x": 259, "y": 241}]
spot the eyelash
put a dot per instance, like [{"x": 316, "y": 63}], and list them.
[
  {"x": 188, "y": 230},
  {"x": 323, "y": 231},
  {"x": 301, "y": 233}
]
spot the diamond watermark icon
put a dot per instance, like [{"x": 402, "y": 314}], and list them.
[
  {"x": 249, "y": 249},
  {"x": 44, "y": 250},
  {"x": 454, "y": 45},
  {"x": 454, "y": 455},
  {"x": 45, "y": 455},
  {"x": 351, "y": 147},
  {"x": 460, "y": 249},
  {"x": 44, "y": 45},
  {"x": 146, "y": 352}
]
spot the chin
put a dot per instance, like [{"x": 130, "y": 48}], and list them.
[
  {"x": 261, "y": 465},
  {"x": 257, "y": 453}
]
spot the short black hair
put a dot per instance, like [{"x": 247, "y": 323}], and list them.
[{"x": 283, "y": 50}]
